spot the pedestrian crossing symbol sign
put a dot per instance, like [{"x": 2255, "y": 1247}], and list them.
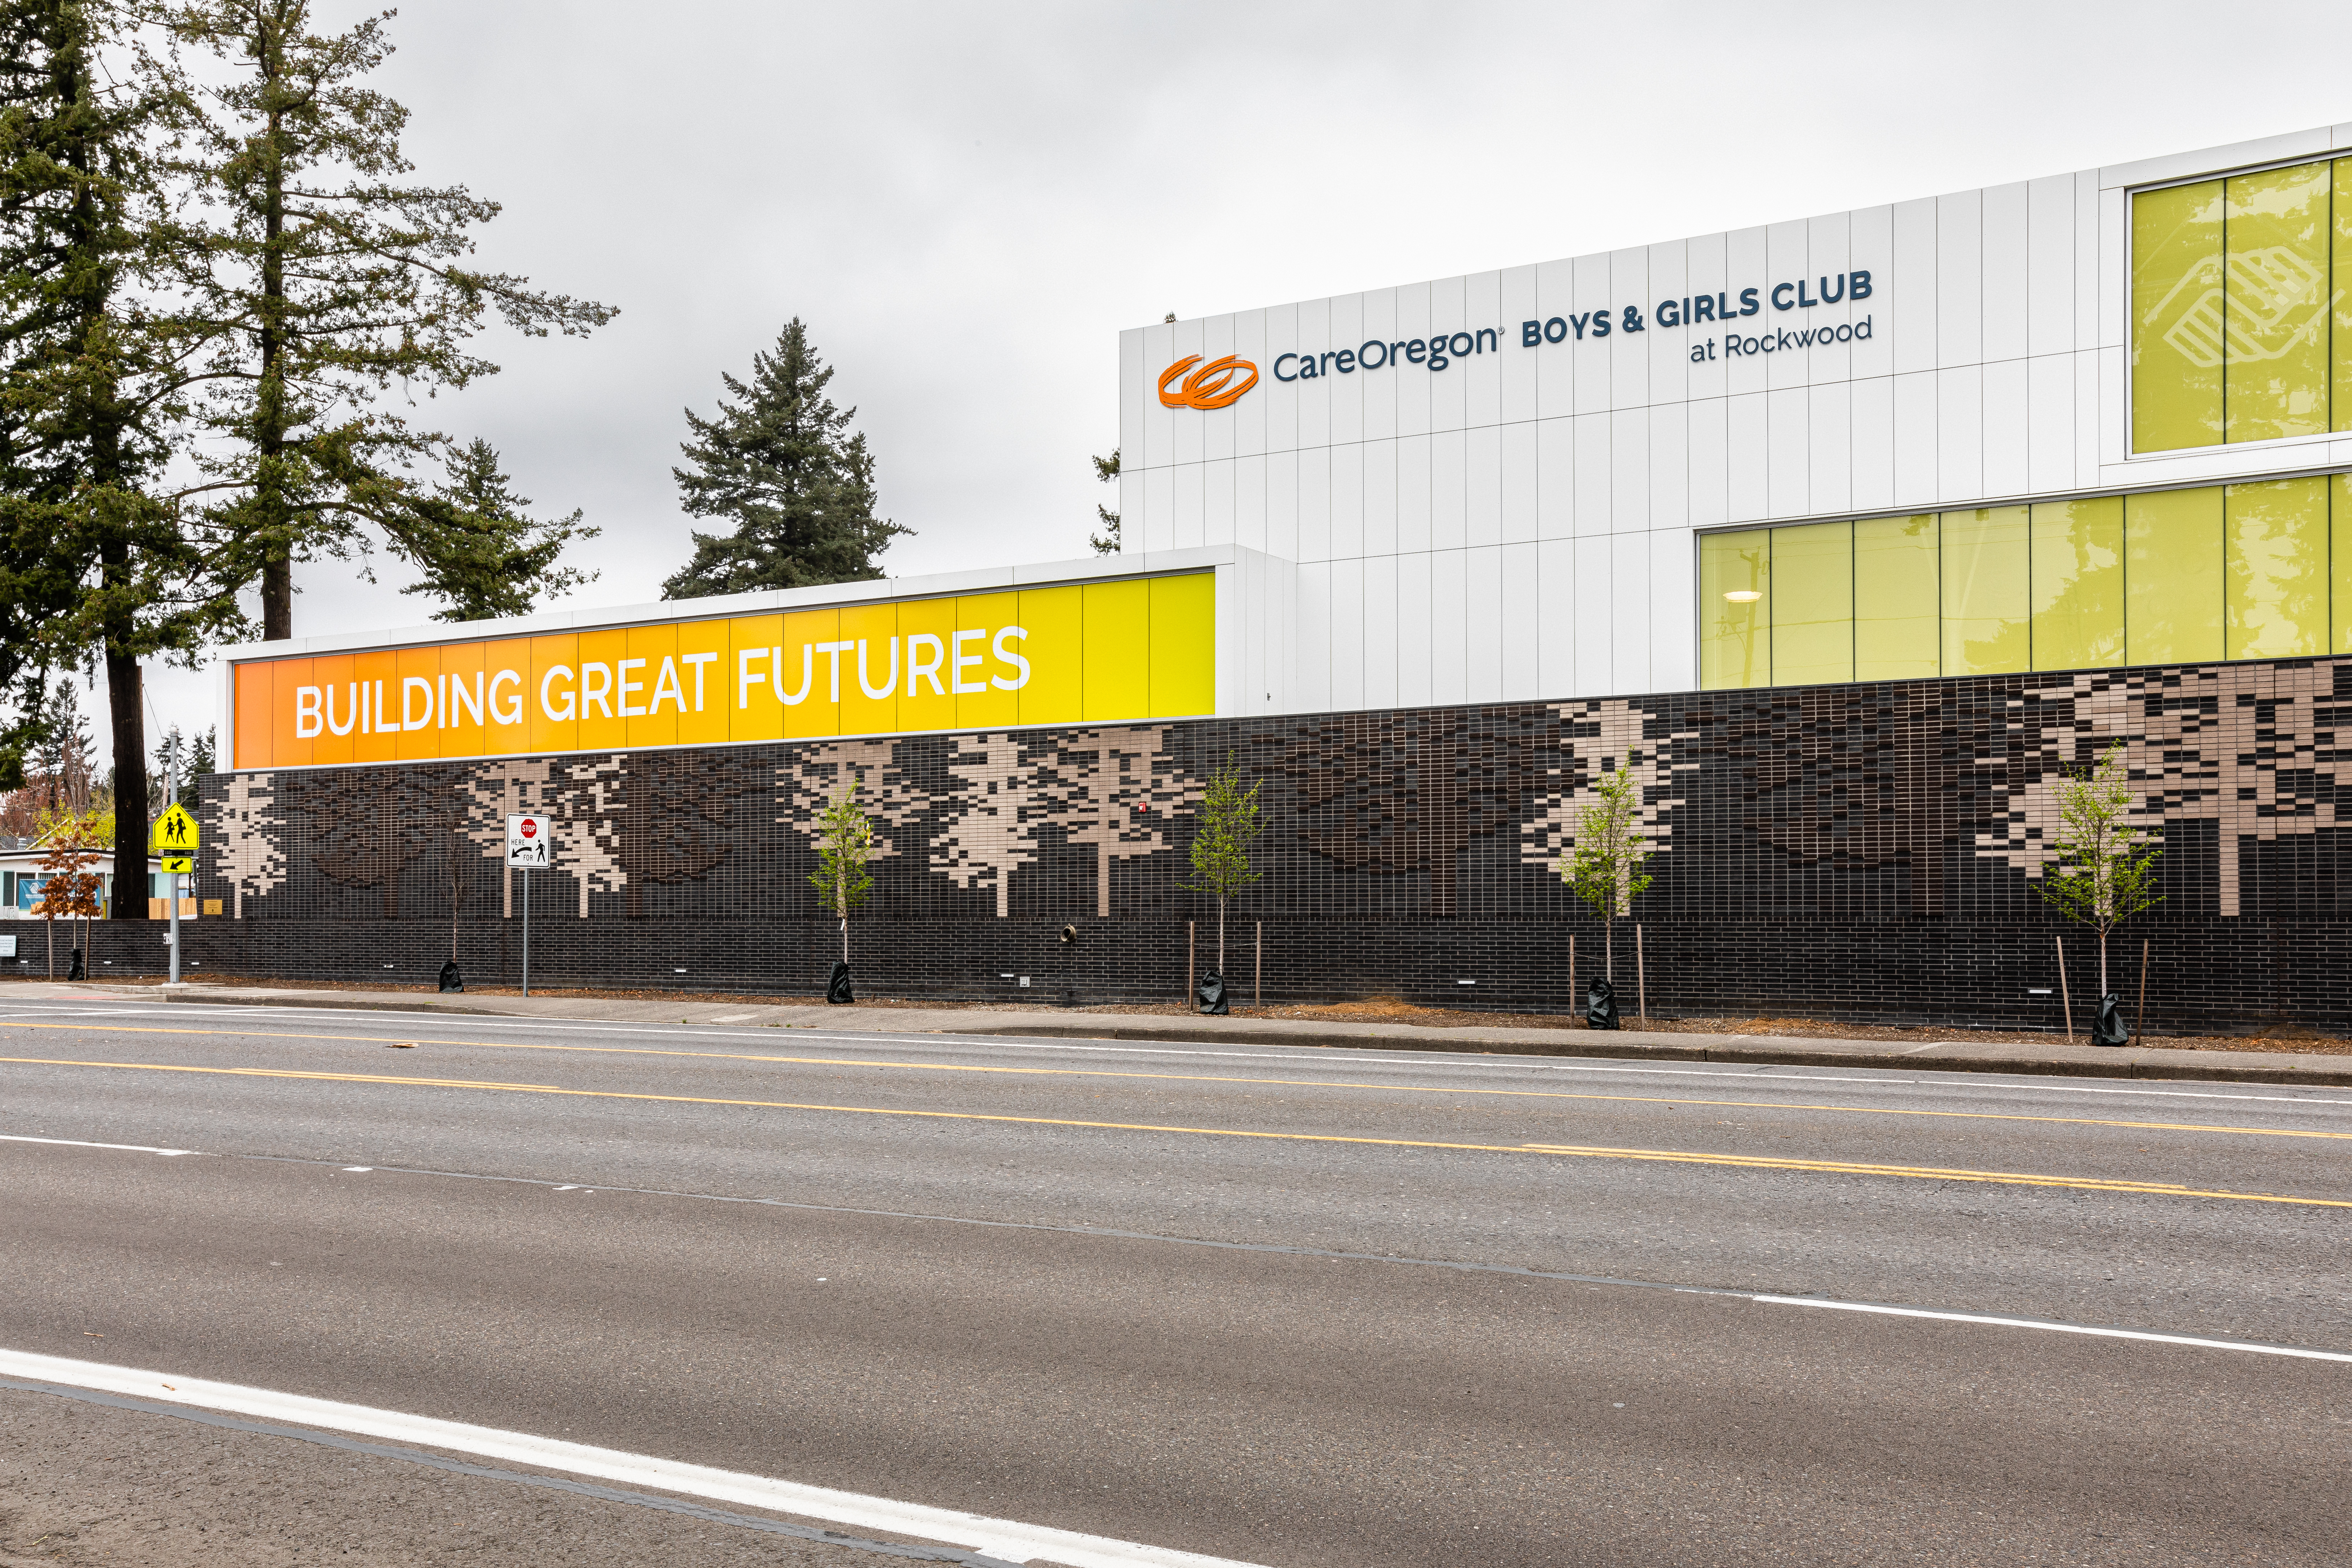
[{"x": 175, "y": 832}]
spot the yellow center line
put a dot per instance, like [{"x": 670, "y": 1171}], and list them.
[
  {"x": 1218, "y": 1078},
  {"x": 1671, "y": 1157}
]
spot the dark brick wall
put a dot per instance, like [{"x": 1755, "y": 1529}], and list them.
[{"x": 1858, "y": 851}]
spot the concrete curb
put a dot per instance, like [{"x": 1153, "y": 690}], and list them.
[{"x": 2147, "y": 1063}]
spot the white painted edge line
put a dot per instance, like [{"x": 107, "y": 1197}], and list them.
[
  {"x": 2059, "y": 1328},
  {"x": 79, "y": 1143},
  {"x": 1002, "y": 1538}
]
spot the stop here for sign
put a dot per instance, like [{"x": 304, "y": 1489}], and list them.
[{"x": 530, "y": 841}]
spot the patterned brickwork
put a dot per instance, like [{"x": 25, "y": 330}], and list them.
[{"x": 1868, "y": 850}]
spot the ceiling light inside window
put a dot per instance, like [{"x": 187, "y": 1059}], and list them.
[{"x": 1743, "y": 595}]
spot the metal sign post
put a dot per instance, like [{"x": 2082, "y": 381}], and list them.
[
  {"x": 531, "y": 846},
  {"x": 175, "y": 837},
  {"x": 171, "y": 880}
]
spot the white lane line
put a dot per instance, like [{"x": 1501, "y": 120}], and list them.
[
  {"x": 79, "y": 1143},
  {"x": 1304, "y": 1055},
  {"x": 2057, "y": 1328},
  {"x": 1005, "y": 1538}
]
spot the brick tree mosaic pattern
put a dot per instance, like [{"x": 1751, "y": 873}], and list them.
[{"x": 1862, "y": 850}]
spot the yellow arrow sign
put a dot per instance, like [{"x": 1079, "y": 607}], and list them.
[
  {"x": 176, "y": 831},
  {"x": 179, "y": 866}
]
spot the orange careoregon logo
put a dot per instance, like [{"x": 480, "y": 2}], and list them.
[{"x": 1210, "y": 386}]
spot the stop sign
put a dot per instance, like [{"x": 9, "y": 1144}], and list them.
[{"x": 530, "y": 828}]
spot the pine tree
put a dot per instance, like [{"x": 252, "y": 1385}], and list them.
[
  {"x": 327, "y": 283},
  {"x": 781, "y": 463},
  {"x": 482, "y": 552},
  {"x": 94, "y": 563},
  {"x": 1107, "y": 543}
]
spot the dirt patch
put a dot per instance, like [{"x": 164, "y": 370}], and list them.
[{"x": 2291, "y": 1038}]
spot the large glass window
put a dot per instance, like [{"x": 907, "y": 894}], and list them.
[
  {"x": 2172, "y": 577},
  {"x": 2261, "y": 570},
  {"x": 2238, "y": 333},
  {"x": 1812, "y": 603},
  {"x": 1735, "y": 571},
  {"x": 1897, "y": 591},
  {"x": 1987, "y": 598},
  {"x": 2078, "y": 583},
  {"x": 2276, "y": 554}
]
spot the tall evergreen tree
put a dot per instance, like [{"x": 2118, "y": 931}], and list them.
[
  {"x": 782, "y": 463},
  {"x": 326, "y": 282},
  {"x": 96, "y": 376},
  {"x": 482, "y": 552},
  {"x": 1107, "y": 543}
]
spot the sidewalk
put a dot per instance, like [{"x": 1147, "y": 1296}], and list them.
[{"x": 1958, "y": 1056}]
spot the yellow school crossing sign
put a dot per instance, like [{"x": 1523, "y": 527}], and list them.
[{"x": 175, "y": 839}]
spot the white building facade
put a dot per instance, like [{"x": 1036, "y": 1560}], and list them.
[{"x": 1517, "y": 516}]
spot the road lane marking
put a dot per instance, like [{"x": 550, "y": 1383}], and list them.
[
  {"x": 79, "y": 1143},
  {"x": 546, "y": 1483},
  {"x": 1223, "y": 1078},
  {"x": 2055, "y": 1328},
  {"x": 1106, "y": 1233},
  {"x": 1008, "y": 1540},
  {"x": 1671, "y": 1157},
  {"x": 1404, "y": 1056}
]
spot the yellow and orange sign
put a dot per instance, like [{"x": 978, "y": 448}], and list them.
[
  {"x": 1134, "y": 648},
  {"x": 1210, "y": 386}
]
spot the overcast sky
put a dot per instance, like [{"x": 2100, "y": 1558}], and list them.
[{"x": 966, "y": 203}]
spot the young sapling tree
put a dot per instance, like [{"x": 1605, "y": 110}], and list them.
[
  {"x": 1227, "y": 828},
  {"x": 1602, "y": 866},
  {"x": 845, "y": 856},
  {"x": 2106, "y": 869}
]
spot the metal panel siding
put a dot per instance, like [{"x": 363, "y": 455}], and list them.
[
  {"x": 1516, "y": 304},
  {"x": 1910, "y": 311},
  {"x": 1482, "y": 628},
  {"x": 1448, "y": 490},
  {"x": 1591, "y": 473},
  {"x": 1522, "y": 585},
  {"x": 1347, "y": 501},
  {"x": 1674, "y": 589},
  {"x": 1381, "y": 628},
  {"x": 1669, "y": 474},
  {"x": 1707, "y": 437},
  {"x": 1556, "y": 622},
  {"x": 1347, "y": 388},
  {"x": 1380, "y": 482},
  {"x": 1348, "y": 634},
  {"x": 1629, "y": 470},
  {"x": 1748, "y": 457},
  {"x": 2007, "y": 431},
  {"x": 1413, "y": 628},
  {"x": 1449, "y": 631},
  {"x": 2007, "y": 284},
  {"x": 2050, "y": 281},
  {"x": 1959, "y": 279},
  {"x": 1829, "y": 462},
  {"x": 1519, "y": 469},
  {"x": 1554, "y": 478},
  {"x": 2050, "y": 403},
  {"x": 1590, "y": 625},
  {"x": 1483, "y": 484},
  {"x": 1787, "y": 442},
  {"x": 1412, "y": 466},
  {"x": 1872, "y": 413},
  {"x": 1959, "y": 432}
]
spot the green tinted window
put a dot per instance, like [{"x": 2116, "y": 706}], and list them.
[
  {"x": 1735, "y": 573},
  {"x": 1987, "y": 608},
  {"x": 2177, "y": 316},
  {"x": 1895, "y": 598},
  {"x": 2078, "y": 583},
  {"x": 2172, "y": 576},
  {"x": 2240, "y": 316},
  {"x": 2276, "y": 566},
  {"x": 2276, "y": 309},
  {"x": 1812, "y": 603}
]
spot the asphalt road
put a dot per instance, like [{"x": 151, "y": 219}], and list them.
[{"x": 1290, "y": 1307}]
